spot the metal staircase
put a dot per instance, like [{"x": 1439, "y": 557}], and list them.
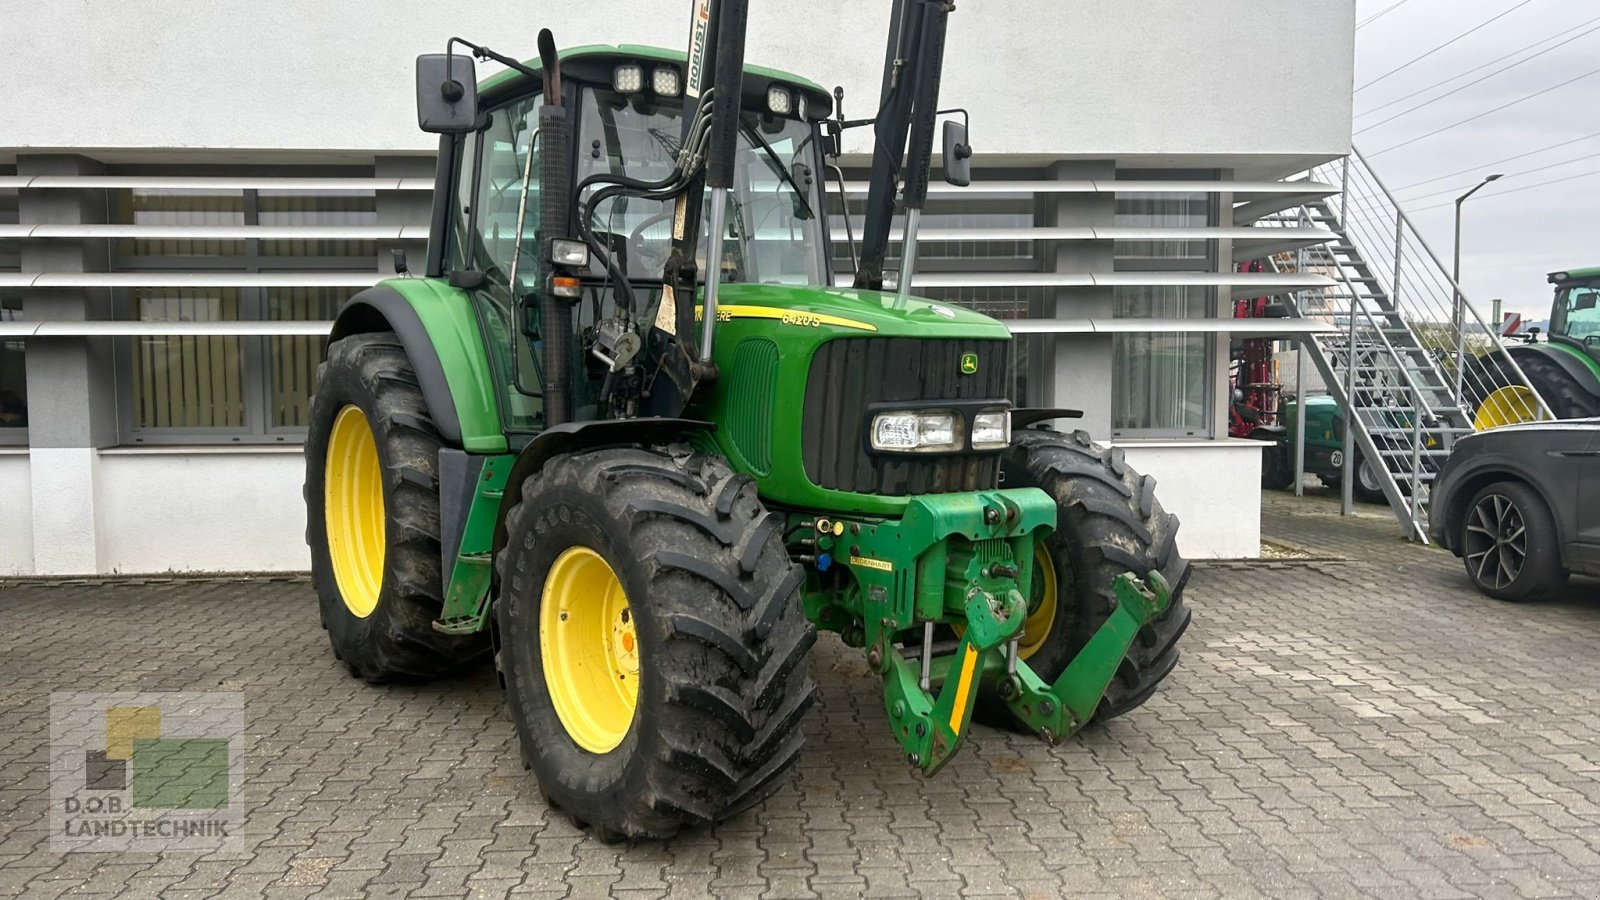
[{"x": 1410, "y": 359}]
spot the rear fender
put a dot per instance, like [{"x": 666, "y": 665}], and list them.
[
  {"x": 1577, "y": 365},
  {"x": 437, "y": 327}
]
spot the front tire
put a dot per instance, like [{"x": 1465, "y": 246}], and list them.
[
  {"x": 372, "y": 514},
  {"x": 1509, "y": 544},
  {"x": 676, "y": 552},
  {"x": 1109, "y": 522}
]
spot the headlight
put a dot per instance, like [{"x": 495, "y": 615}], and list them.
[
  {"x": 991, "y": 430},
  {"x": 778, "y": 100},
  {"x": 664, "y": 81},
  {"x": 938, "y": 431},
  {"x": 628, "y": 78},
  {"x": 569, "y": 253},
  {"x": 914, "y": 431}
]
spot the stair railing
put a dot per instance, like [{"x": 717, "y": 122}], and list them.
[{"x": 1421, "y": 293}]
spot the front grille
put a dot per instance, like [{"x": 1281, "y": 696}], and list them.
[{"x": 849, "y": 374}]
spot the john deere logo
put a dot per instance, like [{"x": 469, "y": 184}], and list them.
[{"x": 969, "y": 363}]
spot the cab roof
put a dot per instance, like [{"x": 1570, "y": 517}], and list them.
[
  {"x": 626, "y": 52},
  {"x": 1566, "y": 275}
]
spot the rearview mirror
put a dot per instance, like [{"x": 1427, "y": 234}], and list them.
[
  {"x": 1585, "y": 301},
  {"x": 957, "y": 155},
  {"x": 447, "y": 93}
]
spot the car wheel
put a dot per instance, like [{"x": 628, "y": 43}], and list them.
[{"x": 1509, "y": 543}]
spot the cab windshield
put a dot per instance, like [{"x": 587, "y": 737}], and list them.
[
  {"x": 774, "y": 227},
  {"x": 1577, "y": 312}
]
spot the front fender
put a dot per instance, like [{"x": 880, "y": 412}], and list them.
[
  {"x": 572, "y": 437},
  {"x": 439, "y": 330}
]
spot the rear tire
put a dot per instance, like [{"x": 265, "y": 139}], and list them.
[
  {"x": 1509, "y": 544},
  {"x": 1277, "y": 468},
  {"x": 720, "y": 674},
  {"x": 378, "y": 606},
  {"x": 1367, "y": 488},
  {"x": 1109, "y": 522},
  {"x": 1566, "y": 398}
]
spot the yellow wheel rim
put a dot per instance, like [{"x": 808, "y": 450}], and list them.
[
  {"x": 1041, "y": 615},
  {"x": 1507, "y": 406},
  {"x": 590, "y": 649},
  {"x": 352, "y": 503}
]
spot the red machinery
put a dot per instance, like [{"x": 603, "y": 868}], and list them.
[{"x": 1252, "y": 373}]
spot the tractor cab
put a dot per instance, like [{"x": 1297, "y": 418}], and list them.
[
  {"x": 1560, "y": 376},
  {"x": 1575, "y": 315},
  {"x": 625, "y": 123}
]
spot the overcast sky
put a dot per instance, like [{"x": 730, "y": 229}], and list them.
[{"x": 1509, "y": 242}]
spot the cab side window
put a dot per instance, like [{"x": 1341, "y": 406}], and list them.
[
  {"x": 508, "y": 143},
  {"x": 1583, "y": 312}
]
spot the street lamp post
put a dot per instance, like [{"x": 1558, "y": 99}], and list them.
[{"x": 1460, "y": 318}]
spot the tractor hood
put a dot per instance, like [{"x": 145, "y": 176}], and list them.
[{"x": 851, "y": 310}]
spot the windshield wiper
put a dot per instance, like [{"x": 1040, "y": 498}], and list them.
[{"x": 778, "y": 167}]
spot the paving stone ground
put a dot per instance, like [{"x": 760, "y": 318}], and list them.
[{"x": 1364, "y": 727}]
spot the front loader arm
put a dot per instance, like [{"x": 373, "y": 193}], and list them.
[{"x": 902, "y": 131}]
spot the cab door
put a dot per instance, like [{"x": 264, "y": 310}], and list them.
[{"x": 501, "y": 176}]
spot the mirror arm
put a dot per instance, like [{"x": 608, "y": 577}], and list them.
[
  {"x": 484, "y": 53},
  {"x": 965, "y": 121}
]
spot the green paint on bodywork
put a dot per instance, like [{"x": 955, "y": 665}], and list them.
[
  {"x": 446, "y": 312},
  {"x": 466, "y": 597},
  {"x": 1589, "y": 361},
  {"x": 798, "y": 319},
  {"x": 1322, "y": 411},
  {"x": 1571, "y": 275},
  {"x": 642, "y": 52}
]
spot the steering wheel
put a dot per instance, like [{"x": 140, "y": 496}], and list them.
[{"x": 641, "y": 250}]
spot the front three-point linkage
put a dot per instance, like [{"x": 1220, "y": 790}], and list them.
[
  {"x": 1057, "y": 710},
  {"x": 952, "y": 564},
  {"x": 938, "y": 598}
]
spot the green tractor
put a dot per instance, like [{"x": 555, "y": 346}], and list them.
[
  {"x": 1324, "y": 449},
  {"x": 624, "y": 435},
  {"x": 1564, "y": 368}
]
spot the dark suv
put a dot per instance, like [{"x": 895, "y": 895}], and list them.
[{"x": 1521, "y": 506}]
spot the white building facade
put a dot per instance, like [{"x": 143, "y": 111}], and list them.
[{"x": 189, "y": 195}]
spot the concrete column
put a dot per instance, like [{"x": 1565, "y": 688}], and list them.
[
  {"x": 403, "y": 208},
  {"x": 1222, "y": 344},
  {"x": 1081, "y": 376},
  {"x": 71, "y": 381}
]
